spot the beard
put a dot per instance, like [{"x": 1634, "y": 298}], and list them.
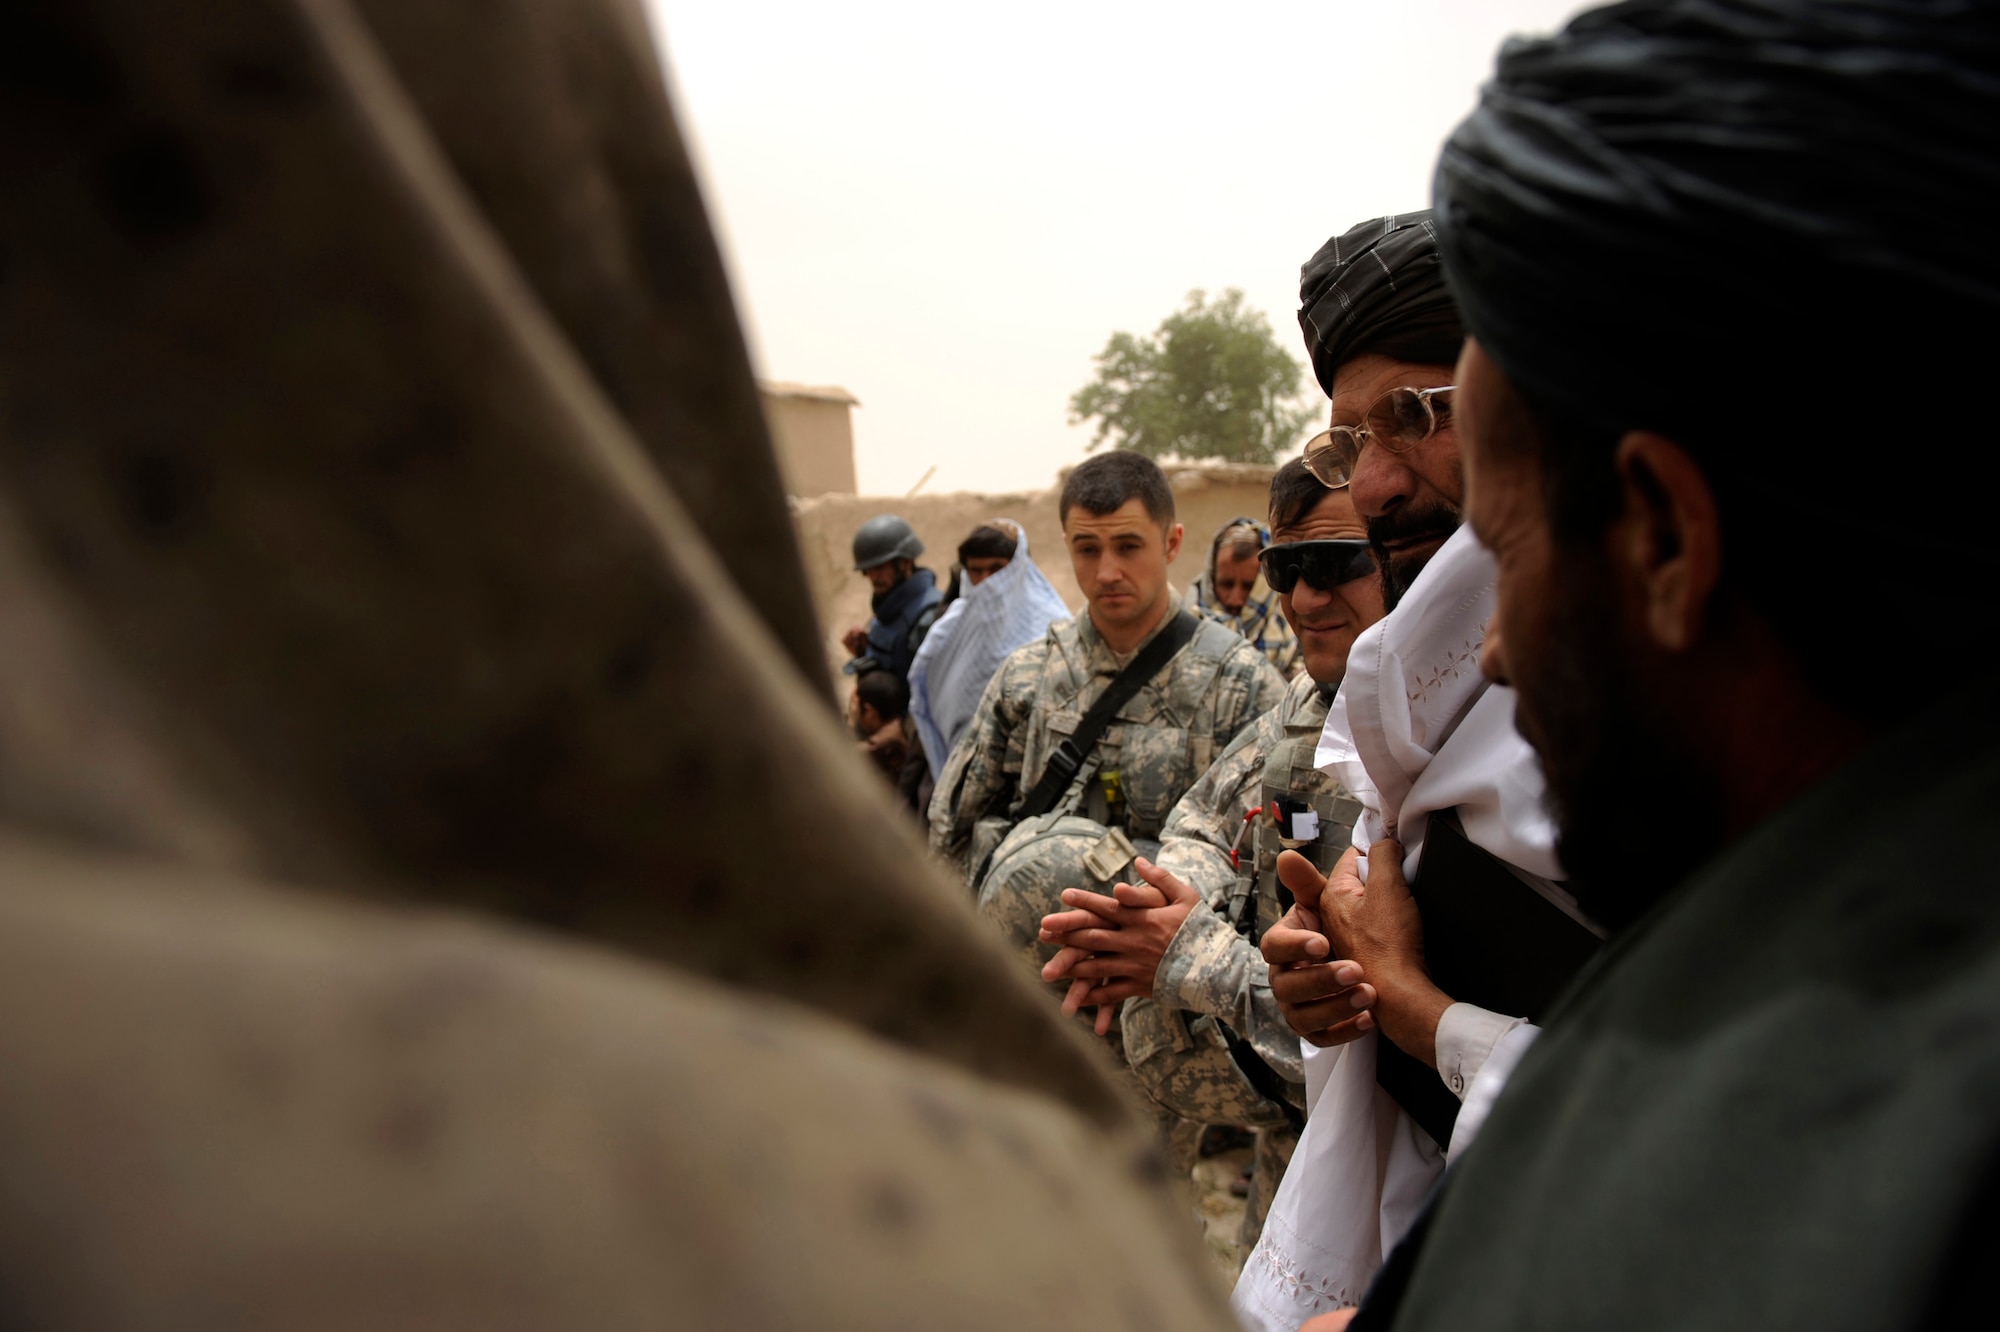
[
  {"x": 1635, "y": 812},
  {"x": 1435, "y": 521},
  {"x": 875, "y": 599}
]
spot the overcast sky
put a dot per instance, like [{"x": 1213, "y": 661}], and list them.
[{"x": 947, "y": 209}]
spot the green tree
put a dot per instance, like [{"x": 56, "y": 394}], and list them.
[{"x": 1211, "y": 382}]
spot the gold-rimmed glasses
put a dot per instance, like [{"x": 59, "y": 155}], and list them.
[{"x": 1399, "y": 420}]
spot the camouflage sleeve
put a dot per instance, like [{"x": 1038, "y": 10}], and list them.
[
  {"x": 1203, "y": 826},
  {"x": 1263, "y": 690},
  {"x": 981, "y": 776},
  {"x": 1210, "y": 968}
]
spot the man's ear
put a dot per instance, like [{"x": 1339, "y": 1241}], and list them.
[
  {"x": 1670, "y": 538},
  {"x": 1174, "y": 535}
]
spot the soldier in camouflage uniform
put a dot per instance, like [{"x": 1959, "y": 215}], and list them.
[
  {"x": 1119, "y": 528},
  {"x": 1201, "y": 1029},
  {"x": 1118, "y": 521}
]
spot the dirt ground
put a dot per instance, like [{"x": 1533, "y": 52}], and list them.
[
  {"x": 1207, "y": 496},
  {"x": 1220, "y": 1211}
]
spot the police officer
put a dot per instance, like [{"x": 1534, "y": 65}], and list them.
[
  {"x": 1200, "y": 1028},
  {"x": 905, "y": 598}
]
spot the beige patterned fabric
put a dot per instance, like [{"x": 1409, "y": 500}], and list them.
[{"x": 435, "y": 889}]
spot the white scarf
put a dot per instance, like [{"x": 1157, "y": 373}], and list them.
[
  {"x": 1414, "y": 729},
  {"x": 976, "y": 633}
]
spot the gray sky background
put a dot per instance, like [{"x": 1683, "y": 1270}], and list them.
[{"x": 947, "y": 209}]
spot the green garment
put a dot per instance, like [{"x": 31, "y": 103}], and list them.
[{"x": 1775, "y": 1101}]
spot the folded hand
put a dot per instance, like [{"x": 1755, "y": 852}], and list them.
[{"x": 1111, "y": 946}]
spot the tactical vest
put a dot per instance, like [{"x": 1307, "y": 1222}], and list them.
[
  {"x": 1148, "y": 756},
  {"x": 1189, "y": 1062},
  {"x": 1302, "y": 810}
]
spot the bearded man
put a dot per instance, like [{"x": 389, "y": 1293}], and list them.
[
  {"x": 1400, "y": 1068},
  {"x": 904, "y": 598},
  {"x": 1689, "y": 239}
]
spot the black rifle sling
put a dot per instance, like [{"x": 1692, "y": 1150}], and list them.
[{"x": 1069, "y": 757}]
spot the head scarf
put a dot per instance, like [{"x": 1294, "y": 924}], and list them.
[
  {"x": 1378, "y": 287},
  {"x": 1739, "y": 221},
  {"x": 979, "y": 630},
  {"x": 1260, "y": 622}
]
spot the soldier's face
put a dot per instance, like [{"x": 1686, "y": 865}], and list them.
[
  {"x": 1120, "y": 560},
  {"x": 1327, "y": 620}
]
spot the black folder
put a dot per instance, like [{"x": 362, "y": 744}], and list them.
[{"x": 1494, "y": 936}]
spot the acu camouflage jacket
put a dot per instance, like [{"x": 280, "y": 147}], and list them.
[
  {"x": 1150, "y": 754},
  {"x": 1210, "y": 968}
]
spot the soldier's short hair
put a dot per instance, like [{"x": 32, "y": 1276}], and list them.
[
  {"x": 1295, "y": 492},
  {"x": 886, "y": 692},
  {"x": 1106, "y": 483}
]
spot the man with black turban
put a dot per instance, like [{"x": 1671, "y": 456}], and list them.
[
  {"x": 1422, "y": 744},
  {"x": 1705, "y": 248},
  {"x": 1377, "y": 316}
]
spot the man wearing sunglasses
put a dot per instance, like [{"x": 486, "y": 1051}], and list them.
[{"x": 1204, "y": 1037}]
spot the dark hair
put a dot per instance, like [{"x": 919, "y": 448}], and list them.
[
  {"x": 1807, "y": 188},
  {"x": 987, "y": 543},
  {"x": 1106, "y": 483},
  {"x": 1295, "y": 492},
  {"x": 886, "y": 692}
]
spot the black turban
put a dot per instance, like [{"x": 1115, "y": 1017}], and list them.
[
  {"x": 1378, "y": 288},
  {"x": 1767, "y": 228}
]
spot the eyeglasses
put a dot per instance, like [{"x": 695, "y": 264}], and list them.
[
  {"x": 1324, "y": 564},
  {"x": 1399, "y": 420}
]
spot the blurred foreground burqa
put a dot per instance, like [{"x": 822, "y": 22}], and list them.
[{"x": 434, "y": 889}]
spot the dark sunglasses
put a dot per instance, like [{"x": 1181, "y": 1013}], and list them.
[{"x": 1324, "y": 564}]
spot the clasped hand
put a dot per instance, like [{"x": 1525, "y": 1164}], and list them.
[
  {"x": 1375, "y": 931},
  {"x": 1111, "y": 946}
]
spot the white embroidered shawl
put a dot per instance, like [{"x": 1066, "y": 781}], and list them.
[{"x": 1414, "y": 729}]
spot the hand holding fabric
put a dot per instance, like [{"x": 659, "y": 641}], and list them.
[
  {"x": 1112, "y": 946},
  {"x": 1318, "y": 997},
  {"x": 1378, "y": 925}
]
